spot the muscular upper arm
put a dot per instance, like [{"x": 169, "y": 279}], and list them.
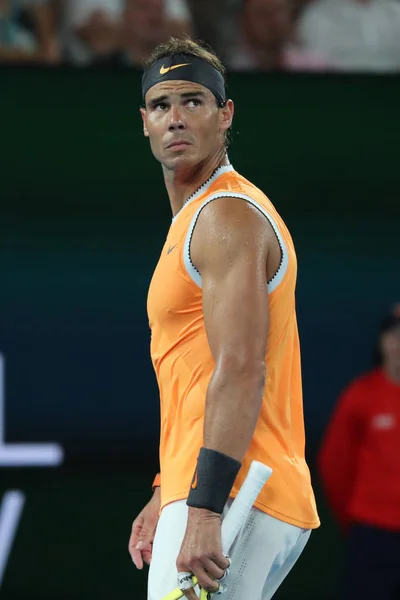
[{"x": 229, "y": 247}]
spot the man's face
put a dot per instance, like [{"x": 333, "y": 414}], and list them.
[
  {"x": 267, "y": 21},
  {"x": 184, "y": 124},
  {"x": 144, "y": 20},
  {"x": 390, "y": 345}
]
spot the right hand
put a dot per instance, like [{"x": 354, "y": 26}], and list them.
[{"x": 143, "y": 531}]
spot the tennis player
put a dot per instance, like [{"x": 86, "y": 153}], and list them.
[{"x": 225, "y": 349}]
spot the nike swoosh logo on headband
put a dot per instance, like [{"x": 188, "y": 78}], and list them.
[{"x": 164, "y": 71}]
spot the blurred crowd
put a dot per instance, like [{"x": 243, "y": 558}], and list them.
[{"x": 302, "y": 35}]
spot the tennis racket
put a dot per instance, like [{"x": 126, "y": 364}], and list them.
[{"x": 236, "y": 515}]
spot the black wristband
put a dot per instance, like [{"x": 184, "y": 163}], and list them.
[{"x": 213, "y": 479}]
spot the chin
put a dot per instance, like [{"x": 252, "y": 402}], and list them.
[{"x": 179, "y": 161}]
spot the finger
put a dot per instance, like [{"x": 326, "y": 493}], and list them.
[
  {"x": 141, "y": 542},
  {"x": 137, "y": 559},
  {"x": 223, "y": 562},
  {"x": 141, "y": 551},
  {"x": 190, "y": 594},
  {"x": 205, "y": 581},
  {"x": 212, "y": 569},
  {"x": 185, "y": 581},
  {"x": 147, "y": 555},
  {"x": 146, "y": 538},
  {"x": 135, "y": 553},
  {"x": 136, "y": 529}
]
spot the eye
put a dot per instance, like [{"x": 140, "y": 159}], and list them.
[
  {"x": 193, "y": 102},
  {"x": 161, "y": 106}
]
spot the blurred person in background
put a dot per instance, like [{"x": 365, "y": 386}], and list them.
[
  {"x": 92, "y": 30},
  {"x": 355, "y": 35},
  {"x": 265, "y": 40},
  {"x": 107, "y": 31},
  {"x": 215, "y": 23},
  {"x": 297, "y": 7},
  {"x": 28, "y": 32},
  {"x": 147, "y": 23},
  {"x": 359, "y": 464},
  {"x": 179, "y": 17}
]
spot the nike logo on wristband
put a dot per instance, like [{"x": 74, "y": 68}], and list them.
[{"x": 194, "y": 480}]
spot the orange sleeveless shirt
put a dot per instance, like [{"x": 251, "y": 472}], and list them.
[{"x": 184, "y": 365}]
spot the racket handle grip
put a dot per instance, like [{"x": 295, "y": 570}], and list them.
[{"x": 237, "y": 514}]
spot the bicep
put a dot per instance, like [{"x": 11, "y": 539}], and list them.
[{"x": 230, "y": 248}]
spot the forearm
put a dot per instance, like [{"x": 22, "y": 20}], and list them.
[{"x": 233, "y": 405}]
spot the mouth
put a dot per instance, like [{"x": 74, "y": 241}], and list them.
[{"x": 178, "y": 145}]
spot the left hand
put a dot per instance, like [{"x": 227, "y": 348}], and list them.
[{"x": 201, "y": 550}]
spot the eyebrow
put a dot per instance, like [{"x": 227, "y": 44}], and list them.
[
  {"x": 164, "y": 97},
  {"x": 194, "y": 93}
]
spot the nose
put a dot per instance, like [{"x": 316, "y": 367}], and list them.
[{"x": 176, "y": 122}]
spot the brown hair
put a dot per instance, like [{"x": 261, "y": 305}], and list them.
[
  {"x": 185, "y": 45},
  {"x": 199, "y": 49}
]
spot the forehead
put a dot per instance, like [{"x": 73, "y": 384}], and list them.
[{"x": 176, "y": 88}]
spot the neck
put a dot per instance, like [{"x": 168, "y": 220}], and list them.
[
  {"x": 392, "y": 372},
  {"x": 182, "y": 183}
]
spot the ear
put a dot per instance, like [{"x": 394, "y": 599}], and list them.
[
  {"x": 144, "y": 118},
  {"x": 226, "y": 115}
]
